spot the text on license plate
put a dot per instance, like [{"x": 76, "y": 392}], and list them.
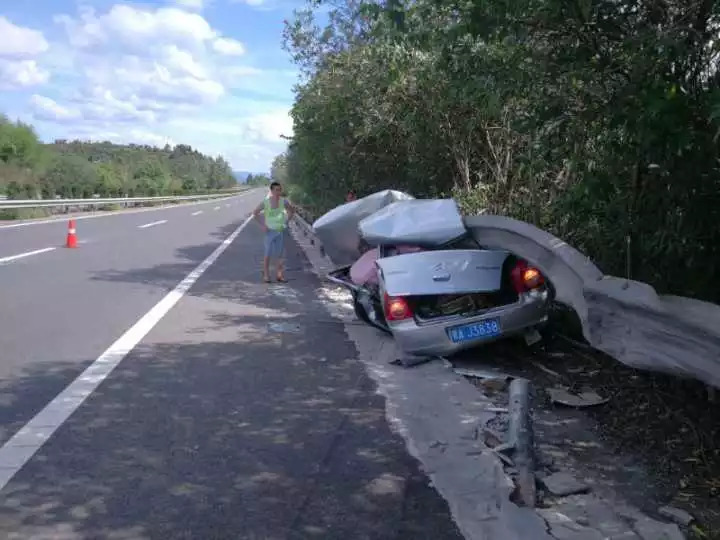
[{"x": 478, "y": 330}]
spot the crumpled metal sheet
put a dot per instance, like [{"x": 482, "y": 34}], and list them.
[
  {"x": 338, "y": 229},
  {"x": 624, "y": 318},
  {"x": 417, "y": 222}
]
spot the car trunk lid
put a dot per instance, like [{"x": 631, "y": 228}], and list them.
[{"x": 443, "y": 272}]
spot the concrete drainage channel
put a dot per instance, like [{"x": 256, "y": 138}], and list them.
[{"x": 477, "y": 445}]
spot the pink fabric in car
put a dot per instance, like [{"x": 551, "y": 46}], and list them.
[{"x": 364, "y": 271}]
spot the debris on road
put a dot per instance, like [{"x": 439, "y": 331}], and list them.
[
  {"x": 563, "y": 527},
  {"x": 587, "y": 398},
  {"x": 573, "y": 508},
  {"x": 547, "y": 370},
  {"x": 677, "y": 515},
  {"x": 562, "y": 484},
  {"x": 491, "y": 438},
  {"x": 283, "y": 327},
  {"x": 650, "y": 529},
  {"x": 482, "y": 372}
]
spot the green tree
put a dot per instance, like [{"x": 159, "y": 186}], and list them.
[{"x": 596, "y": 120}]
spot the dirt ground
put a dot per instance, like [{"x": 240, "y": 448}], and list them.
[{"x": 656, "y": 440}]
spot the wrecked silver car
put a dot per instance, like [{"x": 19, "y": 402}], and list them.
[{"x": 419, "y": 275}]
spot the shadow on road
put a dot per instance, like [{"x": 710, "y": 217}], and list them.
[{"x": 244, "y": 415}]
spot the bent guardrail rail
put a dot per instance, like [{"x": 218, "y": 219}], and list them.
[
  {"x": 41, "y": 203},
  {"x": 624, "y": 318}
]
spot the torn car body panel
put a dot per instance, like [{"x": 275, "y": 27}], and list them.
[
  {"x": 419, "y": 222},
  {"x": 338, "y": 229}
]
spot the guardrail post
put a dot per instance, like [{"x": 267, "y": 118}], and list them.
[{"x": 521, "y": 441}]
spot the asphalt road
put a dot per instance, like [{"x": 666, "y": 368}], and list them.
[{"x": 152, "y": 387}]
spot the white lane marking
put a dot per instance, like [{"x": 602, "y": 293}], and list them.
[
  {"x": 196, "y": 213},
  {"x": 16, "y": 452},
  {"x": 111, "y": 214},
  {"x": 152, "y": 224},
  {"x": 26, "y": 254},
  {"x": 216, "y": 208}
]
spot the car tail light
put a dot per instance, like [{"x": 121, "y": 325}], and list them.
[
  {"x": 397, "y": 308},
  {"x": 526, "y": 278}
]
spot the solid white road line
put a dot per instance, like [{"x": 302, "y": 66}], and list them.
[
  {"x": 26, "y": 254},
  {"x": 16, "y": 452},
  {"x": 196, "y": 213},
  {"x": 110, "y": 214},
  {"x": 152, "y": 224}
]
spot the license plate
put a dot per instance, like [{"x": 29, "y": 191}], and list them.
[{"x": 479, "y": 330}]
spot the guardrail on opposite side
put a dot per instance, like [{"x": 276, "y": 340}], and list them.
[{"x": 42, "y": 203}]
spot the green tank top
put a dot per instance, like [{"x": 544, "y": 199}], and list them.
[{"x": 275, "y": 217}]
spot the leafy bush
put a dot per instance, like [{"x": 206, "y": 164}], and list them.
[{"x": 597, "y": 121}]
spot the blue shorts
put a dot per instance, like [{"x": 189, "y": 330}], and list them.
[{"x": 275, "y": 243}]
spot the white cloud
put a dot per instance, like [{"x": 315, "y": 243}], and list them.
[
  {"x": 269, "y": 127},
  {"x": 20, "y": 74},
  {"x": 19, "y": 48},
  {"x": 229, "y": 47},
  {"x": 153, "y": 75},
  {"x": 137, "y": 29},
  {"x": 45, "y": 108},
  {"x": 101, "y": 105},
  {"x": 127, "y": 135},
  {"x": 20, "y": 43},
  {"x": 183, "y": 62},
  {"x": 137, "y": 136}
]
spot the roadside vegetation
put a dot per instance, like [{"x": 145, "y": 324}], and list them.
[
  {"x": 597, "y": 121},
  {"x": 30, "y": 169}
]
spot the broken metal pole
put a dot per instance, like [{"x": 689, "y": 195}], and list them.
[{"x": 520, "y": 438}]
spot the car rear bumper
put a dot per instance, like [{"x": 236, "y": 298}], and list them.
[{"x": 431, "y": 337}]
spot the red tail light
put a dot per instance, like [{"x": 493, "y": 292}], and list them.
[
  {"x": 526, "y": 278},
  {"x": 397, "y": 308}
]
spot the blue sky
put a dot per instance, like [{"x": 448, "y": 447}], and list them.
[{"x": 209, "y": 73}]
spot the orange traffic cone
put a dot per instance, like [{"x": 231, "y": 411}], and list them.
[{"x": 71, "y": 238}]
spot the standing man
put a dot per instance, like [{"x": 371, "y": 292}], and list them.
[{"x": 277, "y": 213}]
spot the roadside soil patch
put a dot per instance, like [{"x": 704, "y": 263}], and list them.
[{"x": 652, "y": 438}]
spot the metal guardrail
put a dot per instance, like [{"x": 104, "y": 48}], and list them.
[
  {"x": 42, "y": 203},
  {"x": 304, "y": 220},
  {"x": 626, "y": 319}
]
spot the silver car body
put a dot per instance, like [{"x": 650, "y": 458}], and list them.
[
  {"x": 393, "y": 219},
  {"x": 456, "y": 272}
]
